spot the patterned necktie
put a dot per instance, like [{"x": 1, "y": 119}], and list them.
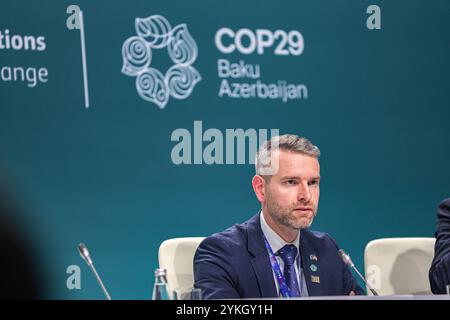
[{"x": 288, "y": 254}]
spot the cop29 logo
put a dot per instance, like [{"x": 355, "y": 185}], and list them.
[{"x": 155, "y": 32}]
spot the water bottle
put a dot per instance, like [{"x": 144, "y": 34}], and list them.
[{"x": 160, "y": 288}]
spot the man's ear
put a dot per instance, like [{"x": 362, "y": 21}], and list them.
[{"x": 258, "y": 184}]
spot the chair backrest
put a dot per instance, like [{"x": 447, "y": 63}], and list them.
[
  {"x": 177, "y": 257},
  {"x": 399, "y": 265}
]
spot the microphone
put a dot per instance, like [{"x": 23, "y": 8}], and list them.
[
  {"x": 84, "y": 253},
  {"x": 348, "y": 261}
]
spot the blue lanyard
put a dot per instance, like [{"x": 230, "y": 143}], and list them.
[{"x": 284, "y": 289}]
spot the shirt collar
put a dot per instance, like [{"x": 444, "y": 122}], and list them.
[{"x": 275, "y": 241}]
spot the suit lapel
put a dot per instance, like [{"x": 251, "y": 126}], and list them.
[
  {"x": 260, "y": 261},
  {"x": 310, "y": 264}
]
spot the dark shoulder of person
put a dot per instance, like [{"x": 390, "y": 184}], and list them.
[
  {"x": 439, "y": 274},
  {"x": 18, "y": 268}
]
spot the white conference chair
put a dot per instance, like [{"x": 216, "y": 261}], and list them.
[
  {"x": 177, "y": 256},
  {"x": 399, "y": 265}
]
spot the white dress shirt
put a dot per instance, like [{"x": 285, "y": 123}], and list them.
[{"x": 276, "y": 243}]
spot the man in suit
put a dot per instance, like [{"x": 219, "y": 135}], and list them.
[
  {"x": 440, "y": 267},
  {"x": 274, "y": 254}
]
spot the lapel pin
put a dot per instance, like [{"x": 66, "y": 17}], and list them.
[
  {"x": 313, "y": 267},
  {"x": 315, "y": 279},
  {"x": 313, "y": 257}
]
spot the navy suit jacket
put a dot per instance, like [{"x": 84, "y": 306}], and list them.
[
  {"x": 235, "y": 264},
  {"x": 440, "y": 267}
]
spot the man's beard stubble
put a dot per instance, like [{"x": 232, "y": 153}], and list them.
[{"x": 284, "y": 215}]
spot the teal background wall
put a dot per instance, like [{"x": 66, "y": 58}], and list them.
[{"x": 378, "y": 107}]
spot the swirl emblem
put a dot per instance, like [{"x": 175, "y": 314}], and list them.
[
  {"x": 181, "y": 81},
  {"x": 155, "y": 32},
  {"x": 136, "y": 56}
]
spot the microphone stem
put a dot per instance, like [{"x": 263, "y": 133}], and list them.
[
  {"x": 367, "y": 284},
  {"x": 108, "y": 297}
]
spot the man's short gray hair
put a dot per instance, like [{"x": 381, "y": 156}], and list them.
[{"x": 287, "y": 142}]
